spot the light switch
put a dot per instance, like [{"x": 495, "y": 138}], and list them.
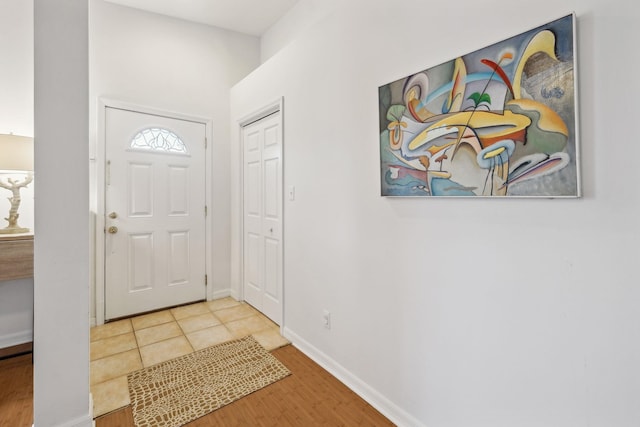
[{"x": 292, "y": 193}]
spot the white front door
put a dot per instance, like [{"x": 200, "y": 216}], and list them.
[
  {"x": 262, "y": 141},
  {"x": 154, "y": 212}
]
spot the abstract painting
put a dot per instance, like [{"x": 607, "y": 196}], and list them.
[{"x": 497, "y": 122}]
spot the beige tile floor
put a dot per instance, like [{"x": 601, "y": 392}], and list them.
[{"x": 124, "y": 346}]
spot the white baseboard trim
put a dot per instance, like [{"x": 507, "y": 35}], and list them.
[
  {"x": 387, "y": 408},
  {"x": 91, "y": 408},
  {"x": 235, "y": 295},
  {"x": 221, "y": 294},
  {"x": 16, "y": 338},
  {"x": 83, "y": 421}
]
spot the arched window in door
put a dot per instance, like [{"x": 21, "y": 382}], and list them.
[{"x": 160, "y": 140}]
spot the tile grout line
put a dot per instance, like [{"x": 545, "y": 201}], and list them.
[
  {"x": 184, "y": 335},
  {"x": 135, "y": 337}
]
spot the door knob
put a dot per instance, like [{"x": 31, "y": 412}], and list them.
[
  {"x": 113, "y": 215},
  {"x": 113, "y": 229}
]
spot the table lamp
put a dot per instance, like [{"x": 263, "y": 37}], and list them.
[{"x": 16, "y": 156}]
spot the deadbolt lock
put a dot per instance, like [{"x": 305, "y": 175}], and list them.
[
  {"x": 113, "y": 215},
  {"x": 113, "y": 229}
]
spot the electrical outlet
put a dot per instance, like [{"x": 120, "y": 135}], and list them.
[{"x": 326, "y": 316}]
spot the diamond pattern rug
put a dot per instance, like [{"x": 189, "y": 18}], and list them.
[{"x": 173, "y": 393}]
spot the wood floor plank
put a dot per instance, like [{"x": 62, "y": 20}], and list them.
[
  {"x": 310, "y": 396},
  {"x": 16, "y": 350},
  {"x": 16, "y": 391}
]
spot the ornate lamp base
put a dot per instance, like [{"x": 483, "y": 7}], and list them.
[
  {"x": 14, "y": 230},
  {"x": 15, "y": 186}
]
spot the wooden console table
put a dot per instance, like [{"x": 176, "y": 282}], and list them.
[{"x": 16, "y": 256}]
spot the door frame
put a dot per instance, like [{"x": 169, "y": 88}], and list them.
[
  {"x": 100, "y": 194},
  {"x": 259, "y": 114}
]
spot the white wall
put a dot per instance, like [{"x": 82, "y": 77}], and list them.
[
  {"x": 457, "y": 312},
  {"x": 304, "y": 14},
  {"x": 16, "y": 312},
  {"x": 16, "y": 116},
  {"x": 173, "y": 65},
  {"x": 16, "y": 67},
  {"x": 61, "y": 247}
]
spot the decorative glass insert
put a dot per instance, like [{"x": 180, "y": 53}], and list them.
[{"x": 158, "y": 139}]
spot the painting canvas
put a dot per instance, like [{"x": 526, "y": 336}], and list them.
[{"x": 498, "y": 122}]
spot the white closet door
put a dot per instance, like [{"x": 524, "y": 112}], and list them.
[{"x": 262, "y": 141}]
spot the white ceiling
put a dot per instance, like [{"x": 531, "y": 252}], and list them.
[{"x": 252, "y": 17}]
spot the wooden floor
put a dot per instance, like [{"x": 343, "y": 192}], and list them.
[
  {"x": 310, "y": 396},
  {"x": 16, "y": 391}
]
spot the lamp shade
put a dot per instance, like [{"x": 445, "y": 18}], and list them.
[{"x": 16, "y": 153}]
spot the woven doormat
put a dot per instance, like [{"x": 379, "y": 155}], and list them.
[{"x": 181, "y": 390}]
